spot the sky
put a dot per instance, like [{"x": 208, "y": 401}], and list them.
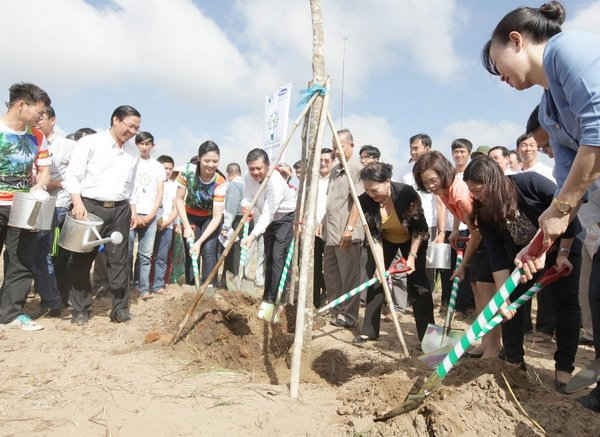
[{"x": 199, "y": 70}]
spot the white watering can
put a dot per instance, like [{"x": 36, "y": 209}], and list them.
[
  {"x": 83, "y": 236},
  {"x": 33, "y": 211},
  {"x": 438, "y": 256}
]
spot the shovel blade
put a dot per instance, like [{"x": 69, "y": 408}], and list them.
[
  {"x": 433, "y": 358},
  {"x": 416, "y": 396},
  {"x": 434, "y": 338}
]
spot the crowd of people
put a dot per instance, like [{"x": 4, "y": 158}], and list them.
[{"x": 492, "y": 198}]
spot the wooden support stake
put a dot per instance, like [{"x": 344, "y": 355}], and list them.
[{"x": 304, "y": 312}]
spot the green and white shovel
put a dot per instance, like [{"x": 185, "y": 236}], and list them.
[
  {"x": 438, "y": 338},
  {"x": 282, "y": 280},
  {"x": 397, "y": 267},
  {"x": 434, "y": 381}
]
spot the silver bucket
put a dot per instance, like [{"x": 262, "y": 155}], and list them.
[
  {"x": 438, "y": 256},
  {"x": 32, "y": 211},
  {"x": 83, "y": 236}
]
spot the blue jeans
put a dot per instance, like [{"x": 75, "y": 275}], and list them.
[
  {"x": 43, "y": 270},
  {"x": 143, "y": 262},
  {"x": 208, "y": 251},
  {"x": 162, "y": 246},
  {"x": 62, "y": 258}
]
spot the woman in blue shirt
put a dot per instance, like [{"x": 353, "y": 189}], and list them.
[{"x": 528, "y": 48}]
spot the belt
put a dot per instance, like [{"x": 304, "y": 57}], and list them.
[{"x": 106, "y": 203}]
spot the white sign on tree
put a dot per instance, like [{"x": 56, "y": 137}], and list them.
[{"x": 277, "y": 111}]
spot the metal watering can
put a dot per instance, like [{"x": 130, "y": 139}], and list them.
[
  {"x": 438, "y": 256},
  {"x": 33, "y": 211},
  {"x": 83, "y": 236}
]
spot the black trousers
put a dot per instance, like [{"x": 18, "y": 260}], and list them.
[
  {"x": 278, "y": 237},
  {"x": 319, "y": 294},
  {"x": 565, "y": 303},
  {"x": 62, "y": 260},
  {"x": 594, "y": 299},
  {"x": 209, "y": 252},
  {"x": 19, "y": 257},
  {"x": 419, "y": 291},
  {"x": 464, "y": 298},
  {"x": 4, "y": 213},
  {"x": 115, "y": 219},
  {"x": 232, "y": 260}
]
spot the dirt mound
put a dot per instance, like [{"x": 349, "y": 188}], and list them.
[
  {"x": 227, "y": 334},
  {"x": 474, "y": 400}
]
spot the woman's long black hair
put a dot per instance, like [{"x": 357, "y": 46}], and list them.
[{"x": 501, "y": 195}]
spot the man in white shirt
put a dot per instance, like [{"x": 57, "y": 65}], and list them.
[
  {"x": 273, "y": 216},
  {"x": 527, "y": 148},
  {"x": 100, "y": 179},
  {"x": 327, "y": 160},
  {"x": 501, "y": 155},
  {"x": 164, "y": 225},
  {"x": 54, "y": 271},
  {"x": 433, "y": 208},
  {"x": 24, "y": 158},
  {"x": 369, "y": 154},
  {"x": 232, "y": 217},
  {"x": 147, "y": 198}
]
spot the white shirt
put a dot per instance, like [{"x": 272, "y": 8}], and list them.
[
  {"x": 169, "y": 194},
  {"x": 277, "y": 200},
  {"x": 542, "y": 169},
  {"x": 100, "y": 169},
  {"x": 148, "y": 177},
  {"x": 427, "y": 200},
  {"x": 461, "y": 226},
  {"x": 322, "y": 198},
  {"x": 60, "y": 149}
]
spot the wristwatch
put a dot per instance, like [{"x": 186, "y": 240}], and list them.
[
  {"x": 563, "y": 207},
  {"x": 349, "y": 228}
]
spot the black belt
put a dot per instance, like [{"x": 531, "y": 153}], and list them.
[{"x": 107, "y": 203}]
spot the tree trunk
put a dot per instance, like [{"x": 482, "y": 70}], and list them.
[{"x": 312, "y": 150}]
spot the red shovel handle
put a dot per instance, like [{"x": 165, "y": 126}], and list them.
[
  {"x": 536, "y": 247},
  {"x": 398, "y": 266},
  {"x": 553, "y": 274}
]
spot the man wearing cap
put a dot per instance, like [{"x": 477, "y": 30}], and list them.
[{"x": 100, "y": 179}]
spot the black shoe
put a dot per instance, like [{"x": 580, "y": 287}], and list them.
[
  {"x": 521, "y": 365},
  {"x": 80, "y": 319},
  {"x": 341, "y": 323},
  {"x": 120, "y": 316},
  {"x": 591, "y": 401},
  {"x": 46, "y": 312}
]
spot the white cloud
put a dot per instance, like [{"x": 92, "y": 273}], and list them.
[
  {"x": 374, "y": 130},
  {"x": 479, "y": 132},
  {"x": 171, "y": 45},
  {"x": 381, "y": 35},
  {"x": 587, "y": 19}
]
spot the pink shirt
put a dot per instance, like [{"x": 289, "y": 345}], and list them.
[{"x": 458, "y": 200}]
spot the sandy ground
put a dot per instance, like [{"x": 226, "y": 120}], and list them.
[{"x": 230, "y": 377}]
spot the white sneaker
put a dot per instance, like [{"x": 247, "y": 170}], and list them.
[
  {"x": 265, "y": 311},
  {"x": 24, "y": 322}
]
